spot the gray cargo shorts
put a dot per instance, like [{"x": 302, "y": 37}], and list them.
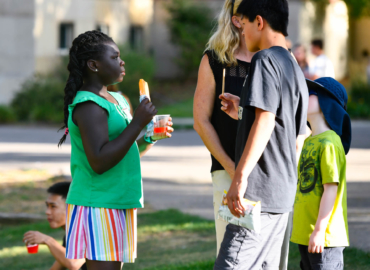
[{"x": 243, "y": 249}]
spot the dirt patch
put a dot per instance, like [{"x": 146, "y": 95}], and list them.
[{"x": 26, "y": 196}]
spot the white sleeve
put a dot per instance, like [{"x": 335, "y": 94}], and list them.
[{"x": 329, "y": 69}]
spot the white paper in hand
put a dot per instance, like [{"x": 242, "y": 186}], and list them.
[{"x": 252, "y": 215}]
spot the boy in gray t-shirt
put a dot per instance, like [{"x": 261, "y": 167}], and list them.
[{"x": 272, "y": 113}]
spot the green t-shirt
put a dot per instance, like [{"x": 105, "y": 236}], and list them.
[
  {"x": 121, "y": 186},
  {"x": 322, "y": 161}
]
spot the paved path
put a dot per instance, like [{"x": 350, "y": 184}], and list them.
[{"x": 176, "y": 171}]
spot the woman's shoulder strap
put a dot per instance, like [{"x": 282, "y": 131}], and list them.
[
  {"x": 84, "y": 96},
  {"x": 214, "y": 63},
  {"x": 120, "y": 98}
]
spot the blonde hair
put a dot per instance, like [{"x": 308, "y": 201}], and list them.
[{"x": 225, "y": 39}]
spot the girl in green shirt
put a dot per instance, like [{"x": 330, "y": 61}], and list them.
[{"x": 105, "y": 162}]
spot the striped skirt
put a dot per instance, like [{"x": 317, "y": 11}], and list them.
[{"x": 101, "y": 234}]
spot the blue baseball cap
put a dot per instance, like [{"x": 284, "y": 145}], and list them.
[{"x": 333, "y": 103}]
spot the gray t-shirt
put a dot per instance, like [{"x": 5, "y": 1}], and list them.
[{"x": 275, "y": 84}]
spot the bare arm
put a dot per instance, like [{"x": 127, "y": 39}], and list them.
[
  {"x": 59, "y": 253},
  {"x": 101, "y": 153},
  {"x": 258, "y": 138},
  {"x": 144, "y": 146},
  {"x": 317, "y": 239},
  {"x": 56, "y": 266},
  {"x": 56, "y": 249},
  {"x": 203, "y": 106}
]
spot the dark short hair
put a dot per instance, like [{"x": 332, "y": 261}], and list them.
[
  {"x": 60, "y": 188},
  {"x": 318, "y": 43},
  {"x": 296, "y": 46},
  {"x": 275, "y": 12}
]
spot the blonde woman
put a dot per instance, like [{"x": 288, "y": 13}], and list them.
[{"x": 227, "y": 50}]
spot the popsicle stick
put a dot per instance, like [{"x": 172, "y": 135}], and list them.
[{"x": 223, "y": 82}]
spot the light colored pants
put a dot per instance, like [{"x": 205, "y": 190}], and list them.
[
  {"x": 285, "y": 247},
  {"x": 221, "y": 181}
]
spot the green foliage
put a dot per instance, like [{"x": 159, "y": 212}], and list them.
[
  {"x": 180, "y": 109},
  {"x": 138, "y": 66},
  {"x": 41, "y": 99},
  {"x": 6, "y": 114},
  {"x": 357, "y": 8},
  {"x": 190, "y": 26},
  {"x": 359, "y": 100}
]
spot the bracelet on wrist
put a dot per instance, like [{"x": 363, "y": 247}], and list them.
[{"x": 149, "y": 140}]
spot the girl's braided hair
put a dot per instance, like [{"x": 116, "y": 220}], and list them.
[{"x": 86, "y": 46}]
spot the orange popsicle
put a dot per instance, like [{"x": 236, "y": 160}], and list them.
[{"x": 144, "y": 88}]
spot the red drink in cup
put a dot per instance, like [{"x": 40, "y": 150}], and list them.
[
  {"x": 160, "y": 126},
  {"x": 160, "y": 130},
  {"x": 32, "y": 249}
]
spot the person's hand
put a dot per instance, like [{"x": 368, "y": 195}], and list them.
[
  {"x": 34, "y": 237},
  {"x": 235, "y": 195},
  {"x": 168, "y": 133},
  {"x": 230, "y": 105},
  {"x": 317, "y": 241},
  {"x": 144, "y": 113}
]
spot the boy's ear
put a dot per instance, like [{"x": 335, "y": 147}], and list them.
[
  {"x": 260, "y": 22},
  {"x": 92, "y": 65},
  {"x": 236, "y": 22}
]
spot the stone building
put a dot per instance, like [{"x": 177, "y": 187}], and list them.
[{"x": 35, "y": 33}]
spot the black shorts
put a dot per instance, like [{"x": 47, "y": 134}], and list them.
[{"x": 331, "y": 258}]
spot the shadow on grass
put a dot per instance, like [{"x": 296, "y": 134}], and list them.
[{"x": 167, "y": 240}]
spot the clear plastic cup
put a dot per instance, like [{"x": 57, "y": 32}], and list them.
[
  {"x": 32, "y": 249},
  {"x": 160, "y": 126}
]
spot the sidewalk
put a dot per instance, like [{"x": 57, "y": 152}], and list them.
[{"x": 176, "y": 172}]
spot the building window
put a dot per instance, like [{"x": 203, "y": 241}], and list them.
[
  {"x": 104, "y": 28},
  {"x": 65, "y": 35},
  {"x": 137, "y": 37}
]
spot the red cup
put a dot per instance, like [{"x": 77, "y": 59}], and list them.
[{"x": 32, "y": 249}]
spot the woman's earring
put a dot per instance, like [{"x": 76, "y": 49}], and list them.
[{"x": 96, "y": 70}]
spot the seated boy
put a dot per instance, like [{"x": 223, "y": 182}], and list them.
[
  {"x": 56, "y": 215},
  {"x": 320, "y": 209}
]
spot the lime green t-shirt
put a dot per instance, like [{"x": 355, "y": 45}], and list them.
[
  {"x": 322, "y": 161},
  {"x": 121, "y": 186}
]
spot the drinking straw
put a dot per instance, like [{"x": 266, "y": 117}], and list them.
[{"x": 223, "y": 82}]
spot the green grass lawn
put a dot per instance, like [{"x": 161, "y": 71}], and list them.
[
  {"x": 181, "y": 109},
  {"x": 167, "y": 240}
]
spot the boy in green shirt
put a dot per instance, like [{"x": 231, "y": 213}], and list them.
[{"x": 320, "y": 209}]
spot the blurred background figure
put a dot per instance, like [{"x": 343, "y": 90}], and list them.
[
  {"x": 300, "y": 54},
  {"x": 321, "y": 66},
  {"x": 289, "y": 44}
]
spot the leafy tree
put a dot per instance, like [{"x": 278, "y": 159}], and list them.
[
  {"x": 357, "y": 8},
  {"x": 190, "y": 26}
]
